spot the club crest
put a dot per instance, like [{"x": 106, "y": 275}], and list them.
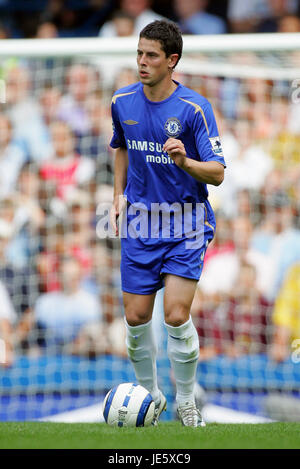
[{"x": 173, "y": 127}]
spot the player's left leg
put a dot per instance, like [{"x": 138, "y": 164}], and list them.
[{"x": 183, "y": 343}]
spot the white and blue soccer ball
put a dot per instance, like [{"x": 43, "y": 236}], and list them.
[{"x": 128, "y": 405}]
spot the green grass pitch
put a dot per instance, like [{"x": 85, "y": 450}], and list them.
[{"x": 44, "y": 435}]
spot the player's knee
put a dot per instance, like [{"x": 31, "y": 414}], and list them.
[
  {"x": 136, "y": 318},
  {"x": 176, "y": 315}
]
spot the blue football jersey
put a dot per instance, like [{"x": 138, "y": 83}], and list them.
[{"x": 143, "y": 126}]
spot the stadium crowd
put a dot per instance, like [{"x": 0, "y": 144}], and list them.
[
  {"x": 59, "y": 283},
  {"x": 81, "y": 18}
]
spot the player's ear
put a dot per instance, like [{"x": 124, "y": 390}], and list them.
[{"x": 173, "y": 59}]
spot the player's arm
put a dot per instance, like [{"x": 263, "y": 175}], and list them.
[
  {"x": 207, "y": 172},
  {"x": 120, "y": 178}
]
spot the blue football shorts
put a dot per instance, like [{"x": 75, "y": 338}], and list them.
[{"x": 145, "y": 258}]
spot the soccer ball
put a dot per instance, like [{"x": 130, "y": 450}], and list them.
[{"x": 128, "y": 405}]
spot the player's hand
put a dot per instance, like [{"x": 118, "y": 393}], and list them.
[
  {"x": 176, "y": 150},
  {"x": 116, "y": 211}
]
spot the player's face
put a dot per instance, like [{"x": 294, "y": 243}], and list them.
[{"x": 153, "y": 65}]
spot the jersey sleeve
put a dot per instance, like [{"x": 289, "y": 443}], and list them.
[
  {"x": 206, "y": 135},
  {"x": 118, "y": 139}
]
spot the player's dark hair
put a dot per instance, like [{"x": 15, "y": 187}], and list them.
[{"x": 167, "y": 33}]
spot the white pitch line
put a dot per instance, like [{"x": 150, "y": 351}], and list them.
[
  {"x": 211, "y": 414},
  {"x": 90, "y": 414}
]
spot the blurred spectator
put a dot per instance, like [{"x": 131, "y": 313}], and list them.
[
  {"x": 278, "y": 9},
  {"x": 96, "y": 141},
  {"x": 81, "y": 81},
  {"x": 53, "y": 248},
  {"x": 8, "y": 319},
  {"x": 193, "y": 19},
  {"x": 49, "y": 100},
  {"x": 111, "y": 330},
  {"x": 12, "y": 157},
  {"x": 280, "y": 240},
  {"x": 20, "y": 283},
  {"x": 65, "y": 170},
  {"x": 245, "y": 206},
  {"x": 61, "y": 15},
  {"x": 124, "y": 77},
  {"x": 123, "y": 23},
  {"x": 80, "y": 213},
  {"x": 248, "y": 315},
  {"x": 236, "y": 325},
  {"x": 220, "y": 271},
  {"x": 60, "y": 315},
  {"x": 79, "y": 18},
  {"x": 244, "y": 17},
  {"x": 249, "y": 164},
  {"x": 289, "y": 24},
  {"x": 286, "y": 315},
  {"x": 4, "y": 32},
  {"x": 225, "y": 199},
  {"x": 46, "y": 30},
  {"x": 95, "y": 144},
  {"x": 229, "y": 98},
  {"x": 71, "y": 237},
  {"x": 284, "y": 141},
  {"x": 140, "y": 10},
  {"x": 28, "y": 217},
  {"x": 80, "y": 209},
  {"x": 253, "y": 98},
  {"x": 222, "y": 242},
  {"x": 253, "y": 163},
  {"x": 24, "y": 112}
]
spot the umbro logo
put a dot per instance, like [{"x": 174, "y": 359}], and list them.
[{"x": 130, "y": 122}]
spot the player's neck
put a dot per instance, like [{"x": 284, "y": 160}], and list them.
[{"x": 160, "y": 91}]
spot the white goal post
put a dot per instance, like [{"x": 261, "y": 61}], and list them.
[
  {"x": 127, "y": 45},
  {"x": 125, "y": 49}
]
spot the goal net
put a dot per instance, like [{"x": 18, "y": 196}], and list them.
[{"x": 62, "y": 338}]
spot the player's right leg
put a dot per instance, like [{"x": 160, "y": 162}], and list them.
[{"x": 141, "y": 345}]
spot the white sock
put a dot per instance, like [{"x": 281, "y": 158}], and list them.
[
  {"x": 142, "y": 350},
  {"x": 183, "y": 352}
]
